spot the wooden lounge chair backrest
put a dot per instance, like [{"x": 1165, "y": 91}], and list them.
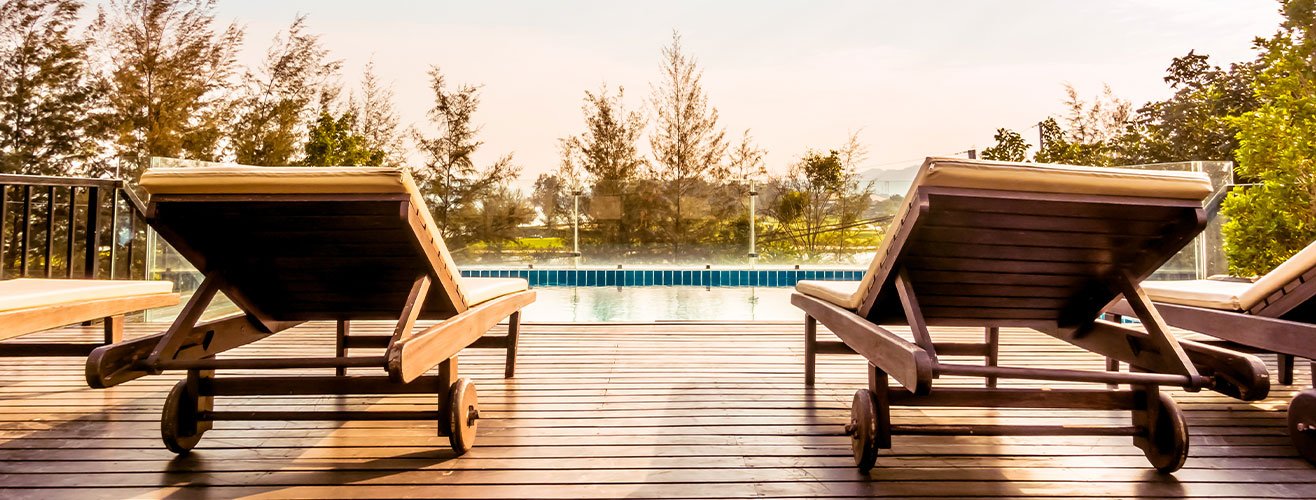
[
  {"x": 1286, "y": 292},
  {"x": 1043, "y": 246},
  {"x": 307, "y": 243}
]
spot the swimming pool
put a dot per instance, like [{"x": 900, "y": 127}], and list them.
[
  {"x": 667, "y": 277},
  {"x": 661, "y": 303},
  {"x": 656, "y": 294}
]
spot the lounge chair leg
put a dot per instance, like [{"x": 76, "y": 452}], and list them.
[
  {"x": 810, "y": 348},
  {"x": 1112, "y": 365},
  {"x": 513, "y": 332},
  {"x": 1285, "y": 362},
  {"x": 447, "y": 378},
  {"x": 993, "y": 352},
  {"x": 340, "y": 347},
  {"x": 879, "y": 384},
  {"x": 114, "y": 329}
]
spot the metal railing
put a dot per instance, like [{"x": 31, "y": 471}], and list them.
[{"x": 69, "y": 227}]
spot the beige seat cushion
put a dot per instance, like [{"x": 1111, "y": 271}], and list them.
[
  {"x": 276, "y": 180},
  {"x": 297, "y": 180},
  {"x": 1042, "y": 178},
  {"x": 1063, "y": 179},
  {"x": 842, "y": 293},
  {"x": 1285, "y": 273},
  {"x": 1210, "y": 294},
  {"x": 479, "y": 290},
  {"x": 26, "y": 293},
  {"x": 1232, "y": 295}
]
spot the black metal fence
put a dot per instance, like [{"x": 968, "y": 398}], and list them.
[{"x": 70, "y": 227}]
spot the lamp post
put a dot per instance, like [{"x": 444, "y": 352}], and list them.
[
  {"x": 753, "y": 196},
  {"x": 575, "y": 227}
]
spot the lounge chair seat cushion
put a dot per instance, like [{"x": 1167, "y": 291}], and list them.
[
  {"x": 1209, "y": 294},
  {"x": 276, "y": 180},
  {"x": 479, "y": 290},
  {"x": 27, "y": 293},
  {"x": 1235, "y": 295},
  {"x": 842, "y": 293},
  {"x": 1064, "y": 179}
]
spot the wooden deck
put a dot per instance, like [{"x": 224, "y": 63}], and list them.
[{"x": 666, "y": 410}]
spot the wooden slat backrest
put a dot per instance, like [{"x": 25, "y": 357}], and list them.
[
  {"x": 982, "y": 257},
  {"x": 297, "y": 257},
  {"x": 1293, "y": 301}
]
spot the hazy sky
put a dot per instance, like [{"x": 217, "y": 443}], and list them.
[{"x": 918, "y": 78}]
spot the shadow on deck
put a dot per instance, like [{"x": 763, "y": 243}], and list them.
[{"x": 666, "y": 410}]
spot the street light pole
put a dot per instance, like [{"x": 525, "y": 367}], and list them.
[
  {"x": 753, "y": 196},
  {"x": 575, "y": 227}
]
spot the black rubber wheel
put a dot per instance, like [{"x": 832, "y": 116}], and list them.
[
  {"x": 463, "y": 415},
  {"x": 180, "y": 427},
  {"x": 1166, "y": 441},
  {"x": 1302, "y": 424},
  {"x": 863, "y": 429}
]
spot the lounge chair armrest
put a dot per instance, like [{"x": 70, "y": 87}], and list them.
[
  {"x": 114, "y": 364},
  {"x": 906, "y": 362}
]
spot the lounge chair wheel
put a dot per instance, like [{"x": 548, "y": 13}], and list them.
[
  {"x": 180, "y": 427},
  {"x": 1302, "y": 423},
  {"x": 463, "y": 415},
  {"x": 863, "y": 429},
  {"x": 1166, "y": 442}
]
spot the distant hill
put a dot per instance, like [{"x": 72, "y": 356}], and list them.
[{"x": 891, "y": 181}]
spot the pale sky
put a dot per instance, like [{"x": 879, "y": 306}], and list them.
[{"x": 918, "y": 78}]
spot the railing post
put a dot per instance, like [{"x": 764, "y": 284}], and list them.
[
  {"x": 114, "y": 230},
  {"x": 90, "y": 261},
  {"x": 4, "y": 219},
  {"x": 50, "y": 228},
  {"x": 27, "y": 230},
  {"x": 132, "y": 236},
  {"x": 72, "y": 231}
]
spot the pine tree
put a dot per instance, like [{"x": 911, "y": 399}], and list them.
[
  {"x": 278, "y": 102},
  {"x": 454, "y": 186},
  {"x": 379, "y": 120},
  {"x": 688, "y": 144},
  {"x": 169, "y": 74},
  {"x": 47, "y": 93}
]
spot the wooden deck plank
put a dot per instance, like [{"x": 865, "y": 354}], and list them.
[{"x": 690, "y": 410}]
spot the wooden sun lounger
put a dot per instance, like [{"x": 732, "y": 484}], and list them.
[
  {"x": 29, "y": 305},
  {"x": 988, "y": 244},
  {"x": 289, "y": 245},
  {"x": 1275, "y": 314}
]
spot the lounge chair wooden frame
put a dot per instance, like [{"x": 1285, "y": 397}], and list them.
[
  {"x": 20, "y": 322},
  {"x": 237, "y": 240},
  {"x": 1051, "y": 262},
  {"x": 1283, "y": 323}
]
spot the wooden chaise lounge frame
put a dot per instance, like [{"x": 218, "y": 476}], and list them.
[
  {"x": 960, "y": 256},
  {"x": 112, "y": 309},
  {"x": 284, "y": 259},
  {"x": 1283, "y": 322}
]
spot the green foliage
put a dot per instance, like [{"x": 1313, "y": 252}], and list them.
[
  {"x": 168, "y": 75},
  {"x": 454, "y": 187},
  {"x": 1271, "y": 222},
  {"x": 820, "y": 206},
  {"x": 1010, "y": 146},
  {"x": 687, "y": 142},
  {"x": 46, "y": 90},
  {"x": 278, "y": 101},
  {"x": 335, "y": 142},
  {"x": 1195, "y": 123}
]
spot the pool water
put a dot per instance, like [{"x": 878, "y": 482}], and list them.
[{"x": 661, "y": 303}]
